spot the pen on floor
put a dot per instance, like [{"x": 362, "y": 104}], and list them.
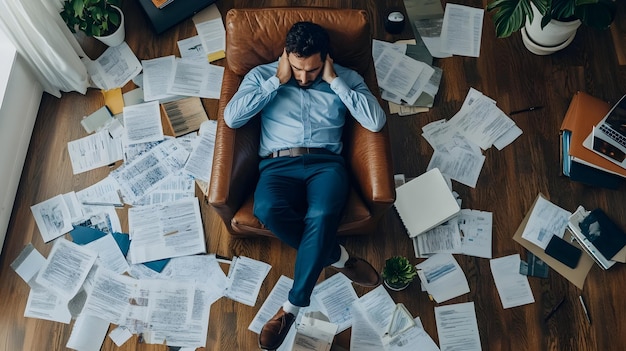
[
  {"x": 554, "y": 309},
  {"x": 532, "y": 108},
  {"x": 582, "y": 303}
]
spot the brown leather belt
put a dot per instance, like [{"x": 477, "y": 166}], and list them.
[{"x": 299, "y": 151}]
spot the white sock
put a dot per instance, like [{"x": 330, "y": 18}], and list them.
[
  {"x": 342, "y": 259},
  {"x": 291, "y": 308}
]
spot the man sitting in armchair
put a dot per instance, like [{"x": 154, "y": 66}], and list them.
[{"x": 303, "y": 186}]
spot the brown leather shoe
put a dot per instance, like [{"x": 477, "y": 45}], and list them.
[
  {"x": 360, "y": 272},
  {"x": 275, "y": 330}
]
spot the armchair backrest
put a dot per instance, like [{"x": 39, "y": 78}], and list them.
[{"x": 257, "y": 36}]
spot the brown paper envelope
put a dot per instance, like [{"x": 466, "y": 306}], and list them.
[
  {"x": 620, "y": 256},
  {"x": 577, "y": 275}
]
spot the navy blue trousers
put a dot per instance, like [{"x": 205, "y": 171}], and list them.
[{"x": 301, "y": 200}]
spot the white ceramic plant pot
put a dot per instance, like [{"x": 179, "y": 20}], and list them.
[
  {"x": 117, "y": 37},
  {"x": 394, "y": 288},
  {"x": 552, "y": 38}
]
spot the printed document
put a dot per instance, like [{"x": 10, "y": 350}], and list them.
[
  {"x": 165, "y": 230},
  {"x": 457, "y": 327},
  {"x": 364, "y": 336},
  {"x": 157, "y": 74},
  {"x": 201, "y": 158},
  {"x": 445, "y": 237},
  {"x": 53, "y": 218},
  {"x": 66, "y": 268},
  {"x": 142, "y": 123},
  {"x": 442, "y": 277},
  {"x": 147, "y": 171},
  {"x": 336, "y": 294},
  {"x": 476, "y": 232},
  {"x": 93, "y": 151},
  {"x": 271, "y": 305},
  {"x": 513, "y": 287},
  {"x": 43, "y": 304},
  {"x": 109, "y": 254},
  {"x": 546, "y": 220},
  {"x": 193, "y": 77},
  {"x": 246, "y": 276},
  {"x": 461, "y": 31},
  {"x": 114, "y": 68}
]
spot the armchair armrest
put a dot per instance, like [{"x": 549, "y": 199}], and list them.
[
  {"x": 369, "y": 156},
  {"x": 235, "y": 160}
]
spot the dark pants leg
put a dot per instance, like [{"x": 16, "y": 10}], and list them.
[{"x": 301, "y": 200}]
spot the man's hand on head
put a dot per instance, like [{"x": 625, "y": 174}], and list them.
[
  {"x": 329, "y": 71},
  {"x": 283, "y": 72}
]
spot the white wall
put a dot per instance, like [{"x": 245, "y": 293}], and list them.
[{"x": 20, "y": 95}]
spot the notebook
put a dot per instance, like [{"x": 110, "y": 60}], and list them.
[
  {"x": 608, "y": 138},
  {"x": 425, "y": 202}
]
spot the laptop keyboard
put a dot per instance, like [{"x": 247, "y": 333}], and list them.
[{"x": 613, "y": 135}]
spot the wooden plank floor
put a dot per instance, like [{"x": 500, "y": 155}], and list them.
[{"x": 508, "y": 184}]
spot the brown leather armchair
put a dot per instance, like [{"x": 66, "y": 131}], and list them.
[{"x": 257, "y": 36}]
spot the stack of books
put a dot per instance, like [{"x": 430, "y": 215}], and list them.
[{"x": 581, "y": 160}]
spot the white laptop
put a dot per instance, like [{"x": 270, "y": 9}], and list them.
[{"x": 608, "y": 138}]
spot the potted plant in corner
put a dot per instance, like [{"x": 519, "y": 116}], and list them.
[
  {"x": 549, "y": 25},
  {"x": 101, "y": 19},
  {"x": 398, "y": 273}
]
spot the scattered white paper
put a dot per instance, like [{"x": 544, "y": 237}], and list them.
[
  {"x": 148, "y": 170},
  {"x": 201, "y": 158},
  {"x": 246, "y": 276},
  {"x": 109, "y": 254},
  {"x": 142, "y": 123},
  {"x": 476, "y": 232},
  {"x": 546, "y": 220},
  {"x": 66, "y": 268},
  {"x": 314, "y": 334},
  {"x": 191, "y": 47},
  {"x": 457, "y": 327},
  {"x": 442, "y": 277},
  {"x": 53, "y": 218},
  {"x": 28, "y": 263},
  {"x": 513, "y": 287},
  {"x": 88, "y": 333},
  {"x": 114, "y": 68},
  {"x": 336, "y": 295},
  {"x": 43, "y": 304},
  {"x": 165, "y": 230},
  {"x": 271, "y": 305},
  {"x": 120, "y": 335},
  {"x": 93, "y": 151},
  {"x": 461, "y": 31},
  {"x": 156, "y": 77}
]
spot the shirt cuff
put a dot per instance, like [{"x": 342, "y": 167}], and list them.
[
  {"x": 271, "y": 84},
  {"x": 339, "y": 86}
]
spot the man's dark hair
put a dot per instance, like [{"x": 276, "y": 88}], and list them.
[{"x": 306, "y": 39}]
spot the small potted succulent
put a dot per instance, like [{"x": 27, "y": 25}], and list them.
[
  {"x": 102, "y": 19},
  {"x": 398, "y": 273}
]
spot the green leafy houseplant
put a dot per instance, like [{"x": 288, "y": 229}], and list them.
[
  {"x": 93, "y": 17},
  {"x": 398, "y": 272},
  {"x": 511, "y": 14}
]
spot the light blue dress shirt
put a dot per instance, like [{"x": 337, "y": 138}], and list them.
[{"x": 292, "y": 116}]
